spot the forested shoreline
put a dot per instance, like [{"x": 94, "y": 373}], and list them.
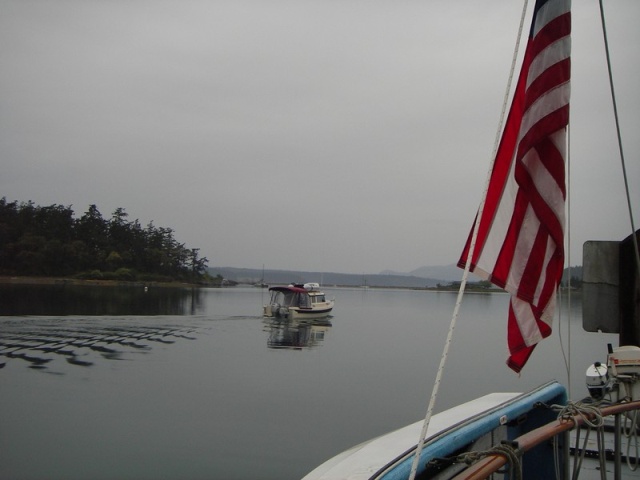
[{"x": 49, "y": 241}]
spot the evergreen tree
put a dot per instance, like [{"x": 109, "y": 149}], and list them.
[{"x": 48, "y": 241}]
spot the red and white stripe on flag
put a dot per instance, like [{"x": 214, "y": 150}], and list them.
[{"x": 520, "y": 242}]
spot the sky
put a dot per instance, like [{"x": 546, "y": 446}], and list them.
[{"x": 347, "y": 136}]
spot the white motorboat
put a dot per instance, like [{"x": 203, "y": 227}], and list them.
[{"x": 298, "y": 301}]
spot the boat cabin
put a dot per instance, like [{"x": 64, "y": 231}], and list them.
[{"x": 291, "y": 297}]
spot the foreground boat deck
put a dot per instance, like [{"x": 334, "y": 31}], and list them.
[
  {"x": 591, "y": 469},
  {"x": 483, "y": 438}
]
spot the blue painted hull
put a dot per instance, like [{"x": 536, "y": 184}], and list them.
[{"x": 465, "y": 427}]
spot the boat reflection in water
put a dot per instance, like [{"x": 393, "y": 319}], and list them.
[
  {"x": 51, "y": 344},
  {"x": 296, "y": 334}
]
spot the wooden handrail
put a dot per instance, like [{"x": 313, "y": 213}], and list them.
[{"x": 490, "y": 464}]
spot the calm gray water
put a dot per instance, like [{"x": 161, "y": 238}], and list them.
[{"x": 95, "y": 388}]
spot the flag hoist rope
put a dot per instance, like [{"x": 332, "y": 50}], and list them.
[
  {"x": 463, "y": 283},
  {"x": 615, "y": 114}
]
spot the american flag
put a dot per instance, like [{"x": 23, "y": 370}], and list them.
[{"x": 520, "y": 242}]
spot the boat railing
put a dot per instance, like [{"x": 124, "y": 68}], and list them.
[{"x": 510, "y": 453}]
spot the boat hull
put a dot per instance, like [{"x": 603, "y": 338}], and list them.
[
  {"x": 498, "y": 415},
  {"x": 295, "y": 313},
  {"x": 302, "y": 313}
]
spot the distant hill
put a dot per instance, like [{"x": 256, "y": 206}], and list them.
[
  {"x": 272, "y": 277},
  {"x": 447, "y": 273},
  {"x": 418, "y": 278}
]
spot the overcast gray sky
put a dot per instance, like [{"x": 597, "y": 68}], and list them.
[{"x": 333, "y": 135}]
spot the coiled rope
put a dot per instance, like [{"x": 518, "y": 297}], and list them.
[
  {"x": 592, "y": 417},
  {"x": 510, "y": 451},
  {"x": 631, "y": 432},
  {"x": 590, "y": 413}
]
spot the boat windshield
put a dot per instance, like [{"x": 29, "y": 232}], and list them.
[
  {"x": 290, "y": 299},
  {"x": 303, "y": 300}
]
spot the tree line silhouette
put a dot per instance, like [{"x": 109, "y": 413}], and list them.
[{"x": 50, "y": 241}]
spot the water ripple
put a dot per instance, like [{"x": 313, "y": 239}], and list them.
[{"x": 38, "y": 342}]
